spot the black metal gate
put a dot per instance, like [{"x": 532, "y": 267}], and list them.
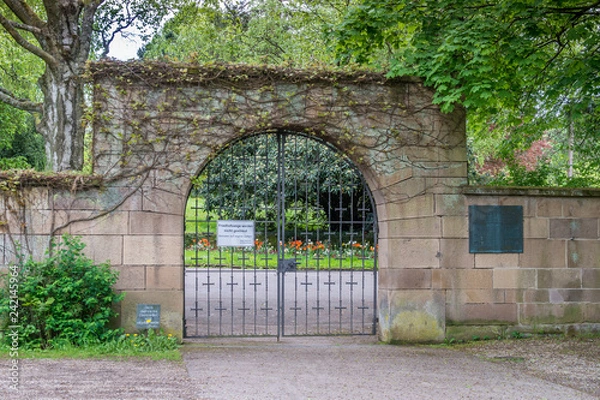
[{"x": 304, "y": 261}]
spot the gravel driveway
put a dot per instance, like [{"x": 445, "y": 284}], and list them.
[{"x": 323, "y": 368}]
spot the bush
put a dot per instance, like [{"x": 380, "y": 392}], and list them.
[{"x": 64, "y": 298}]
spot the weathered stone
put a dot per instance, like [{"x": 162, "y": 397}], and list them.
[
  {"x": 514, "y": 278},
  {"x": 539, "y": 253},
  {"x": 171, "y": 310},
  {"x": 454, "y": 253},
  {"x": 411, "y": 316},
  {"x": 413, "y": 253},
  {"x": 152, "y": 250},
  {"x": 559, "y": 278},
  {"x": 405, "y": 279},
  {"x": 574, "y": 228},
  {"x": 462, "y": 279},
  {"x": 481, "y": 313},
  {"x": 496, "y": 260},
  {"x": 533, "y": 314},
  {"x": 583, "y": 253},
  {"x": 164, "y": 277}
]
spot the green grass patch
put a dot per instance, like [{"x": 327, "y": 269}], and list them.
[{"x": 149, "y": 344}]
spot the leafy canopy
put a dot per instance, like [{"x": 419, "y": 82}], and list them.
[{"x": 522, "y": 68}]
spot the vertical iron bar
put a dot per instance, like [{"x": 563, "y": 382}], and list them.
[{"x": 280, "y": 233}]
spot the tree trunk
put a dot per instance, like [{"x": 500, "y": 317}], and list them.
[{"x": 61, "y": 118}]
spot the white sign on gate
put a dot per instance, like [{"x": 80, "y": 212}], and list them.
[{"x": 235, "y": 233}]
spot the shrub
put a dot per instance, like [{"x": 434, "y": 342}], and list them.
[{"x": 65, "y": 298}]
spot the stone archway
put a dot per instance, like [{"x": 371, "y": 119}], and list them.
[{"x": 156, "y": 125}]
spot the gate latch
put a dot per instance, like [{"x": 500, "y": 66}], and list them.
[{"x": 286, "y": 265}]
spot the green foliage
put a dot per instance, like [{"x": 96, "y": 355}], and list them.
[
  {"x": 24, "y": 148},
  {"x": 258, "y": 32},
  {"x": 146, "y": 342},
  {"x": 64, "y": 298},
  {"x": 520, "y": 68}
]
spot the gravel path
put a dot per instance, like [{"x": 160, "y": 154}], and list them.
[{"x": 323, "y": 368}]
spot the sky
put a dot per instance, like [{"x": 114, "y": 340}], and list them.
[{"x": 124, "y": 49}]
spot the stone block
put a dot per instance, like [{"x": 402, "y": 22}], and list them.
[
  {"x": 591, "y": 312},
  {"x": 583, "y": 253},
  {"x": 540, "y": 253},
  {"x": 85, "y": 200},
  {"x": 114, "y": 223},
  {"x": 104, "y": 248},
  {"x": 394, "y": 279},
  {"x": 146, "y": 223},
  {"x": 536, "y": 228},
  {"x": 574, "y": 228},
  {"x": 582, "y": 208},
  {"x": 549, "y": 207},
  {"x": 455, "y": 227},
  {"x": 441, "y": 169},
  {"x": 171, "y": 310},
  {"x": 590, "y": 278},
  {"x": 514, "y": 278},
  {"x": 451, "y": 205},
  {"x": 153, "y": 250},
  {"x": 559, "y": 278},
  {"x": 131, "y": 277},
  {"x": 422, "y": 206},
  {"x": 411, "y": 316},
  {"x": 427, "y": 227},
  {"x": 462, "y": 279},
  {"x": 413, "y": 253},
  {"x": 499, "y": 260},
  {"x": 454, "y": 253},
  {"x": 164, "y": 277},
  {"x": 534, "y": 296},
  {"x": 160, "y": 201},
  {"x": 532, "y": 314},
  {"x": 558, "y": 296},
  {"x": 481, "y": 313},
  {"x": 471, "y": 296}
]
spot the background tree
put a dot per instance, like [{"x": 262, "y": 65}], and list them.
[
  {"x": 251, "y": 31},
  {"x": 522, "y": 69},
  {"x": 59, "y": 34}
]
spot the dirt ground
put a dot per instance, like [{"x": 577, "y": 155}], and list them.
[
  {"x": 572, "y": 362},
  {"x": 325, "y": 368}
]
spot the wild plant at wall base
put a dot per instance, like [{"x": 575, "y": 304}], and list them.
[{"x": 65, "y": 297}]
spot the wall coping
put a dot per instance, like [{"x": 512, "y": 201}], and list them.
[
  {"x": 169, "y": 73},
  {"x": 529, "y": 191}
]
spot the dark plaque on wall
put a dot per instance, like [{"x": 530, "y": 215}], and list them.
[
  {"x": 148, "y": 316},
  {"x": 495, "y": 229}
]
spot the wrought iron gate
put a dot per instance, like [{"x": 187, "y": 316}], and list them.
[{"x": 312, "y": 269}]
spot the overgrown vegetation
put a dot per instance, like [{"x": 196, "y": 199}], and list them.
[
  {"x": 66, "y": 301},
  {"x": 64, "y": 298}
]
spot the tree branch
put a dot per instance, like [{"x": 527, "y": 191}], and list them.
[
  {"x": 22, "y": 10},
  {"x": 22, "y": 104},
  {"x": 8, "y": 25}
]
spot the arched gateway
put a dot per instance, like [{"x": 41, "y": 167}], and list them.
[
  {"x": 280, "y": 239},
  {"x": 157, "y": 127}
]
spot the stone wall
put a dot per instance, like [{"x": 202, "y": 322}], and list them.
[{"x": 156, "y": 127}]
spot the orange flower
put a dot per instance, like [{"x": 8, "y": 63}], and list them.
[{"x": 258, "y": 244}]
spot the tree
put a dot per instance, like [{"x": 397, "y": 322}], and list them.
[
  {"x": 251, "y": 31},
  {"x": 60, "y": 33},
  {"x": 521, "y": 68}
]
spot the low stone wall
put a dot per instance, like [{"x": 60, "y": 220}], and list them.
[
  {"x": 138, "y": 231},
  {"x": 554, "y": 284},
  {"x": 431, "y": 287}
]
